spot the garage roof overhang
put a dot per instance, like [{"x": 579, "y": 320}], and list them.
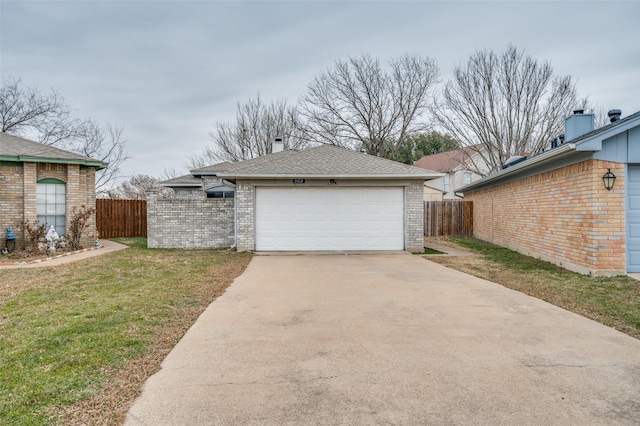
[{"x": 413, "y": 176}]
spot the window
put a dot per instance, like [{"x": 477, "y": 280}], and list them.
[
  {"x": 466, "y": 179},
  {"x": 51, "y": 204},
  {"x": 446, "y": 182},
  {"x": 221, "y": 192}
]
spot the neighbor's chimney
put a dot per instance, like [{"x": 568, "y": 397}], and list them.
[
  {"x": 577, "y": 125},
  {"x": 614, "y": 115},
  {"x": 277, "y": 145}
]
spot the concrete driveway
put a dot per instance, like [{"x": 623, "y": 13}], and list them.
[{"x": 388, "y": 339}]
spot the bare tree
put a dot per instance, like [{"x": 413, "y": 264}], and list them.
[
  {"x": 509, "y": 104},
  {"x": 104, "y": 143},
  {"x": 359, "y": 105},
  {"x": 256, "y": 126},
  {"x": 137, "y": 188},
  {"x": 25, "y": 111}
]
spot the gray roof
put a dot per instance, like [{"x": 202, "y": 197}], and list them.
[
  {"x": 17, "y": 149},
  {"x": 324, "y": 161},
  {"x": 186, "y": 180},
  {"x": 213, "y": 169}
]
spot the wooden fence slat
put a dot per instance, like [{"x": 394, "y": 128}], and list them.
[
  {"x": 450, "y": 217},
  {"x": 121, "y": 218}
]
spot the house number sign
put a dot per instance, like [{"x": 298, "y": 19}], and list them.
[{"x": 298, "y": 181}]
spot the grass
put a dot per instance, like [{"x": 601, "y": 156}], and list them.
[
  {"x": 77, "y": 341},
  {"x": 613, "y": 301},
  {"x": 428, "y": 250}
]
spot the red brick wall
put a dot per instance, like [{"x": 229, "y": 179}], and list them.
[{"x": 565, "y": 216}]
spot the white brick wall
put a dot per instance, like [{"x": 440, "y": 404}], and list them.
[
  {"x": 189, "y": 223},
  {"x": 414, "y": 217}
]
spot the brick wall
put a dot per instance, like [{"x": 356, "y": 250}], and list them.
[
  {"x": 564, "y": 216},
  {"x": 245, "y": 193},
  {"x": 11, "y": 203},
  {"x": 414, "y": 217},
  {"x": 188, "y": 193},
  {"x": 18, "y": 194},
  {"x": 189, "y": 223}
]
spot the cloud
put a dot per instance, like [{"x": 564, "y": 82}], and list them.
[{"x": 168, "y": 70}]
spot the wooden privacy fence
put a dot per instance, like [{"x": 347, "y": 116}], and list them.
[
  {"x": 443, "y": 218},
  {"x": 121, "y": 218}
]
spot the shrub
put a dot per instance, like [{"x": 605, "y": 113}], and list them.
[
  {"x": 79, "y": 219},
  {"x": 35, "y": 232}
]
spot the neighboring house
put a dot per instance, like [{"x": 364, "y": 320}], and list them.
[
  {"x": 459, "y": 168},
  {"x": 555, "y": 205},
  {"x": 320, "y": 199},
  {"x": 44, "y": 183}
]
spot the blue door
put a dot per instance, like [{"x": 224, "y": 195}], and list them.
[{"x": 633, "y": 218}]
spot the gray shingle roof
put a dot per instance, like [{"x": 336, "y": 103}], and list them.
[
  {"x": 15, "y": 148},
  {"x": 324, "y": 161},
  {"x": 213, "y": 169},
  {"x": 186, "y": 180}
]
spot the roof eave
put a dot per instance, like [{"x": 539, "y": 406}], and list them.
[
  {"x": 182, "y": 185},
  {"x": 203, "y": 173},
  {"x": 329, "y": 176},
  {"x": 99, "y": 165}
]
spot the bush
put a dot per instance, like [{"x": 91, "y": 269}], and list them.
[
  {"x": 79, "y": 218},
  {"x": 35, "y": 232}
]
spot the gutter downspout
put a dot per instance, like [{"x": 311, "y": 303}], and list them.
[
  {"x": 235, "y": 221},
  {"x": 235, "y": 214}
]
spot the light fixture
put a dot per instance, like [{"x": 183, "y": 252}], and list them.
[{"x": 609, "y": 179}]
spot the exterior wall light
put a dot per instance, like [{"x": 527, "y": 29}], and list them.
[{"x": 609, "y": 179}]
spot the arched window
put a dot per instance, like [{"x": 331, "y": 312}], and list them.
[{"x": 51, "y": 204}]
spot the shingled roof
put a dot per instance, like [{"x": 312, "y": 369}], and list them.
[
  {"x": 213, "y": 169},
  {"x": 324, "y": 161},
  {"x": 17, "y": 149},
  {"x": 186, "y": 180},
  {"x": 448, "y": 160}
]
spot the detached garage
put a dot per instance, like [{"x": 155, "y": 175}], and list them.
[{"x": 321, "y": 199}]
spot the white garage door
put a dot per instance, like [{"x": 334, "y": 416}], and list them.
[{"x": 290, "y": 219}]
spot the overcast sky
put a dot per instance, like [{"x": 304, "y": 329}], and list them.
[{"x": 168, "y": 70}]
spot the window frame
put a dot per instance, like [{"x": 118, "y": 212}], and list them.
[{"x": 51, "y": 204}]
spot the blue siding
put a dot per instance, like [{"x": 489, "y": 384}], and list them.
[
  {"x": 633, "y": 218},
  {"x": 634, "y": 145},
  {"x": 614, "y": 149}
]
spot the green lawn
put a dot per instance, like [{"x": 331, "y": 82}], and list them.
[{"x": 66, "y": 331}]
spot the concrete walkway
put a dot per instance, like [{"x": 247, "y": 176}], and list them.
[
  {"x": 389, "y": 339},
  {"x": 106, "y": 246}
]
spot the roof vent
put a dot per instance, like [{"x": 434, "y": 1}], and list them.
[
  {"x": 277, "y": 145},
  {"x": 512, "y": 161},
  {"x": 614, "y": 115}
]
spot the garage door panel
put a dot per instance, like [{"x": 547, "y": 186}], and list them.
[{"x": 329, "y": 219}]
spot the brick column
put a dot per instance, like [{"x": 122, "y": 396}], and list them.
[
  {"x": 414, "y": 217},
  {"x": 245, "y": 194}
]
